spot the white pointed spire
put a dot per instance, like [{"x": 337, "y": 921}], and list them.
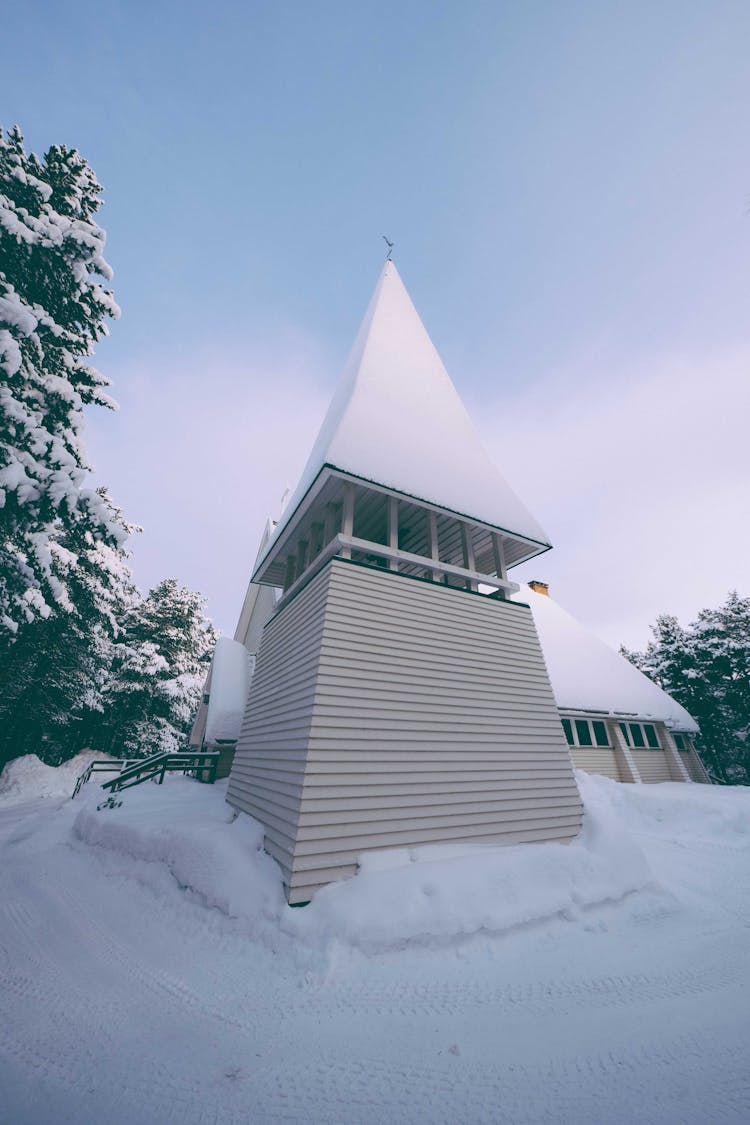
[{"x": 397, "y": 420}]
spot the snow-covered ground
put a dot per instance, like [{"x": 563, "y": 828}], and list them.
[{"x": 150, "y": 970}]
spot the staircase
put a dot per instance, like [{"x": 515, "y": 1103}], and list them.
[{"x": 200, "y": 764}]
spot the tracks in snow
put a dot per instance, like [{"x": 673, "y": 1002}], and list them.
[{"x": 100, "y": 1025}]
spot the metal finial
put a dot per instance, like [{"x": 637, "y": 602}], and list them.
[{"x": 389, "y": 244}]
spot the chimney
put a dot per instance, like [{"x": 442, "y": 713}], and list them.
[{"x": 539, "y": 587}]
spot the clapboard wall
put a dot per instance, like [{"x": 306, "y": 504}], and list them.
[
  {"x": 694, "y": 766},
  {"x": 389, "y": 712},
  {"x": 652, "y": 765},
  {"x": 269, "y": 761},
  {"x": 596, "y": 759}
]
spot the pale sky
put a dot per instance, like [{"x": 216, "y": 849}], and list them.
[{"x": 567, "y": 185}]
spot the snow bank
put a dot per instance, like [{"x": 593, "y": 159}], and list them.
[
  {"x": 188, "y": 828},
  {"x": 677, "y": 812},
  {"x": 434, "y": 895},
  {"x": 421, "y": 896},
  {"x": 25, "y": 779}
]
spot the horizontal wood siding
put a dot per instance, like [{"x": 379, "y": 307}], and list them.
[
  {"x": 433, "y": 721},
  {"x": 693, "y": 765},
  {"x": 269, "y": 762},
  {"x": 652, "y": 765},
  {"x": 596, "y": 759}
]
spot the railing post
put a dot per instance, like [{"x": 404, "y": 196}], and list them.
[
  {"x": 498, "y": 552},
  {"x": 393, "y": 529},
  {"x": 347, "y": 519},
  {"x": 437, "y": 575},
  {"x": 468, "y": 547}
]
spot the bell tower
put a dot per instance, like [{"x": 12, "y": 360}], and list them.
[{"x": 399, "y": 697}]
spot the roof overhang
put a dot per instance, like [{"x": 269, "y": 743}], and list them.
[{"x": 518, "y": 548}]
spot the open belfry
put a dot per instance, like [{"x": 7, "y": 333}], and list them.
[{"x": 399, "y": 697}]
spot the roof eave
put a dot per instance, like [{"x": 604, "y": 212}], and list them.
[{"x": 328, "y": 470}]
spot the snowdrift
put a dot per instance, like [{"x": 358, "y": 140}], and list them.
[
  {"x": 188, "y": 828},
  {"x": 27, "y": 778},
  {"x": 422, "y": 896}
]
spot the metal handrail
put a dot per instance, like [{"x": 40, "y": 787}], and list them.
[
  {"x": 133, "y": 772},
  {"x": 158, "y": 765},
  {"x": 101, "y": 765}
]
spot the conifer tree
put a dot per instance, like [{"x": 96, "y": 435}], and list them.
[
  {"x": 52, "y": 312},
  {"x": 86, "y": 660},
  {"x": 157, "y": 673},
  {"x": 706, "y": 667},
  {"x": 57, "y": 665}
]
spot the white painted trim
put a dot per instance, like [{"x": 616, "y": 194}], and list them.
[
  {"x": 418, "y": 502},
  {"x": 275, "y": 547},
  {"x": 468, "y": 552},
  {"x": 498, "y": 551},
  {"x": 673, "y": 756},
  {"x": 437, "y": 575},
  {"x": 625, "y": 759},
  {"x": 291, "y": 567},
  {"x": 330, "y": 528},
  {"x": 348, "y": 543},
  {"x": 383, "y": 552},
  {"x": 593, "y": 745},
  {"x": 347, "y": 519},
  {"x": 393, "y": 529}
]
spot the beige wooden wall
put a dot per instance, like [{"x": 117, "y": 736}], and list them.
[
  {"x": 269, "y": 762},
  {"x": 596, "y": 759},
  {"x": 652, "y": 765},
  {"x": 390, "y": 712},
  {"x": 694, "y": 766}
]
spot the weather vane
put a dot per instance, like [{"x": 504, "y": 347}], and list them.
[{"x": 389, "y": 244}]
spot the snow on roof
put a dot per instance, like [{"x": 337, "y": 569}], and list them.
[
  {"x": 230, "y": 679},
  {"x": 587, "y": 675},
  {"x": 259, "y": 601},
  {"x": 397, "y": 420}
]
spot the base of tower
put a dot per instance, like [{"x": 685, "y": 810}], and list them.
[{"x": 390, "y": 712}]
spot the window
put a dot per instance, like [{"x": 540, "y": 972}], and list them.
[
  {"x": 583, "y": 732},
  {"x": 679, "y": 741},
  {"x": 601, "y": 737},
  {"x": 651, "y": 738},
  {"x": 641, "y": 736},
  {"x": 636, "y": 733},
  {"x": 586, "y": 732}
]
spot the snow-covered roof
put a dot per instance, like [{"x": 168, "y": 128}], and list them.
[
  {"x": 230, "y": 678},
  {"x": 258, "y": 604},
  {"x": 397, "y": 420},
  {"x": 587, "y": 675}
]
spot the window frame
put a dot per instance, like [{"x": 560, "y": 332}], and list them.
[
  {"x": 626, "y": 726},
  {"x": 576, "y": 744},
  {"x": 687, "y": 741}
]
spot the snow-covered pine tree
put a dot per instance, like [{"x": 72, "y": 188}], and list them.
[
  {"x": 157, "y": 673},
  {"x": 56, "y": 668},
  {"x": 706, "y": 667},
  {"x": 52, "y": 312}
]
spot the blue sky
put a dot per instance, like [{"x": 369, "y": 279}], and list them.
[{"x": 567, "y": 185}]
